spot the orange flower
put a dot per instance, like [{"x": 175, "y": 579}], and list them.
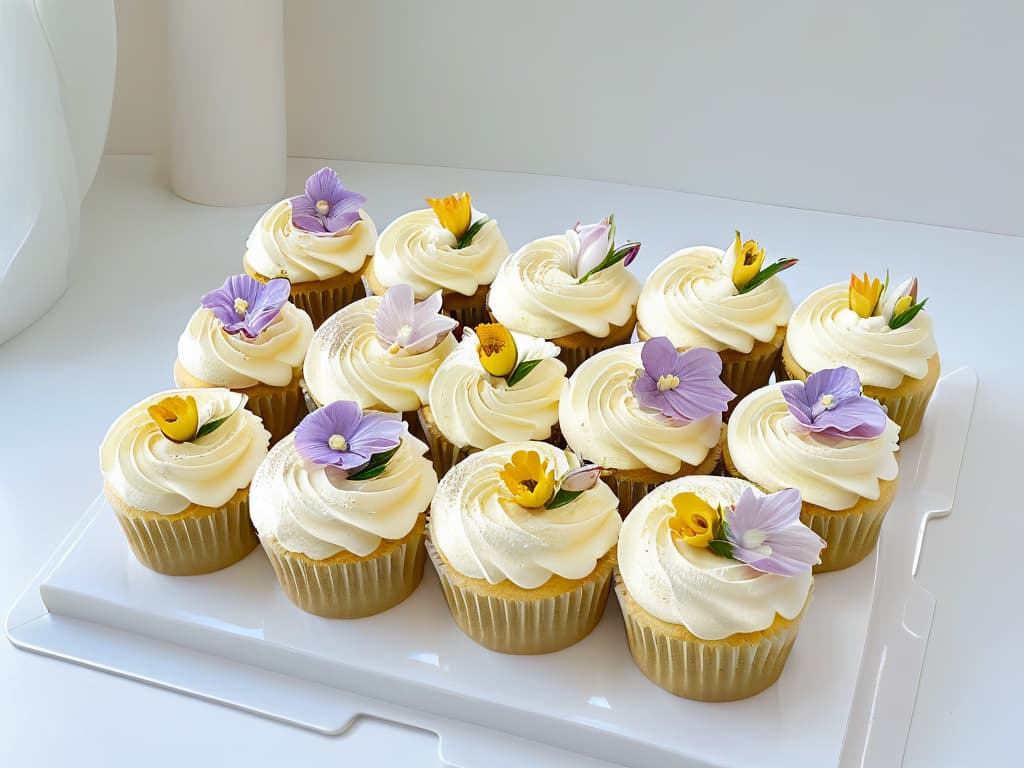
[
  {"x": 177, "y": 417},
  {"x": 694, "y": 520},
  {"x": 530, "y": 480},
  {"x": 864, "y": 294},
  {"x": 496, "y": 348},
  {"x": 455, "y": 212}
]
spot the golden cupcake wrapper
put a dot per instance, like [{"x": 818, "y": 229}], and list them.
[
  {"x": 633, "y": 484},
  {"x": 577, "y": 348},
  {"x": 197, "y": 540},
  {"x": 706, "y": 670},
  {"x": 322, "y": 298},
  {"x": 525, "y": 625}
]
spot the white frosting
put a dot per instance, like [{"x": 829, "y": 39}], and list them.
[
  {"x": 417, "y": 250},
  {"x": 473, "y": 408},
  {"x": 712, "y": 596},
  {"x": 690, "y": 297},
  {"x": 346, "y": 361},
  {"x": 768, "y": 448},
  {"x": 602, "y": 420},
  {"x": 825, "y": 333},
  {"x": 484, "y": 535},
  {"x": 154, "y": 474},
  {"x": 309, "y": 510},
  {"x": 234, "y": 361},
  {"x": 535, "y": 292},
  {"x": 277, "y": 249}
]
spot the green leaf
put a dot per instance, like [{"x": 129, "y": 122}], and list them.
[
  {"x": 377, "y": 464},
  {"x": 520, "y": 371},
  {"x": 209, "y": 426},
  {"x": 719, "y": 547},
  {"x": 904, "y": 317},
  {"x": 470, "y": 233},
  {"x": 614, "y": 257},
  {"x": 766, "y": 273},
  {"x": 561, "y": 498}
]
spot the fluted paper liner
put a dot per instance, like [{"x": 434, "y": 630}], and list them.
[
  {"x": 578, "y": 347},
  {"x": 734, "y": 667},
  {"x": 468, "y": 310},
  {"x": 194, "y": 541},
  {"x": 508, "y": 619},
  {"x": 347, "y": 586},
  {"x": 322, "y": 298},
  {"x": 631, "y": 485}
]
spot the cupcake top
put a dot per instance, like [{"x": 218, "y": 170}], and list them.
[
  {"x": 565, "y": 284},
  {"x": 822, "y": 437},
  {"x": 523, "y": 512},
  {"x": 880, "y": 331},
  {"x": 681, "y": 565},
  {"x": 246, "y": 333},
  {"x": 315, "y": 236},
  {"x": 344, "y": 480},
  {"x": 183, "y": 447},
  {"x": 381, "y": 352},
  {"x": 497, "y": 386},
  {"x": 707, "y": 297},
  {"x": 449, "y": 248},
  {"x": 645, "y": 405}
]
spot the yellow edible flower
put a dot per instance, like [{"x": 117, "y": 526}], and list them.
[
  {"x": 749, "y": 258},
  {"x": 530, "y": 481},
  {"x": 177, "y": 417},
  {"x": 694, "y": 520},
  {"x": 864, "y": 294},
  {"x": 902, "y": 305},
  {"x": 496, "y": 349},
  {"x": 454, "y": 212}
]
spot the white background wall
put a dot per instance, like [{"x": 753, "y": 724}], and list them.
[{"x": 908, "y": 110}]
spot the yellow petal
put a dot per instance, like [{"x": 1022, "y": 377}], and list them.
[
  {"x": 864, "y": 294},
  {"x": 496, "y": 348},
  {"x": 529, "y": 481},
  {"x": 694, "y": 520},
  {"x": 177, "y": 417},
  {"x": 902, "y": 305},
  {"x": 749, "y": 258},
  {"x": 455, "y": 212}
]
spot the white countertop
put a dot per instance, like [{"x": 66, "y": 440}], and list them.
[{"x": 145, "y": 258}]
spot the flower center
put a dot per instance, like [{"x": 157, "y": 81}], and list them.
[
  {"x": 529, "y": 484},
  {"x": 754, "y": 541},
  {"x": 337, "y": 443},
  {"x": 323, "y": 207},
  {"x": 669, "y": 381},
  {"x": 401, "y": 339},
  {"x": 241, "y": 307},
  {"x": 829, "y": 401}
]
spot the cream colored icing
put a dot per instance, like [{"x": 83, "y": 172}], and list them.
[
  {"x": 712, "y": 596},
  {"x": 154, "y": 474},
  {"x": 484, "y": 535}
]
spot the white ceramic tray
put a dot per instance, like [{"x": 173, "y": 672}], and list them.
[{"x": 845, "y": 697}]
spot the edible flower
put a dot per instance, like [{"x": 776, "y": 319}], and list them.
[
  {"x": 326, "y": 208},
  {"x": 744, "y": 260},
  {"x": 595, "y": 249},
  {"x": 407, "y": 326},
  {"x": 529, "y": 480},
  {"x": 765, "y": 532},
  {"x": 177, "y": 417},
  {"x": 247, "y": 306},
  {"x": 496, "y": 349},
  {"x": 864, "y": 294},
  {"x": 455, "y": 212},
  {"x": 573, "y": 483},
  {"x": 684, "y": 386},
  {"x": 831, "y": 402},
  {"x": 900, "y": 305},
  {"x": 343, "y": 436},
  {"x": 695, "y": 521}
]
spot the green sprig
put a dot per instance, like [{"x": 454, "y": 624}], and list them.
[
  {"x": 469, "y": 234},
  {"x": 377, "y": 464},
  {"x": 211, "y": 425},
  {"x": 904, "y": 317},
  {"x": 520, "y": 371},
  {"x": 561, "y": 498},
  {"x": 768, "y": 272}
]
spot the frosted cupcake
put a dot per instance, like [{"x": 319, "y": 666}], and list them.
[
  {"x": 247, "y": 337},
  {"x": 726, "y": 301},
  {"x": 523, "y": 539},
  {"x": 176, "y": 471},
  {"x": 830, "y": 442},
  {"x": 496, "y": 387},
  {"x": 880, "y": 332},
  {"x": 713, "y": 580},
  {"x": 340, "y": 506},
  {"x": 319, "y": 241},
  {"x": 448, "y": 247},
  {"x": 646, "y": 413},
  {"x": 573, "y": 289}
]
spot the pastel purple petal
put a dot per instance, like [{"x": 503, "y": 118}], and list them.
[
  {"x": 795, "y": 396},
  {"x": 419, "y": 325},
  {"x": 631, "y": 255},
  {"x": 861, "y": 418},
  {"x": 312, "y": 436},
  {"x": 768, "y": 513},
  {"x": 324, "y": 185},
  {"x": 841, "y": 383},
  {"x": 581, "y": 479},
  {"x": 428, "y": 335},
  {"x": 394, "y": 311},
  {"x": 594, "y": 246},
  {"x": 794, "y": 550},
  {"x": 659, "y": 357},
  {"x": 263, "y": 302},
  {"x": 792, "y": 547},
  {"x": 308, "y": 223},
  {"x": 266, "y": 306},
  {"x": 302, "y": 206},
  {"x": 347, "y": 203},
  {"x": 376, "y": 433},
  {"x": 341, "y": 221}
]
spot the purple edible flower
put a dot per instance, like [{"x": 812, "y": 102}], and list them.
[
  {"x": 830, "y": 403},
  {"x": 403, "y": 324},
  {"x": 595, "y": 245},
  {"x": 581, "y": 478},
  {"x": 245, "y": 305},
  {"x": 765, "y": 532},
  {"x": 685, "y": 386},
  {"x": 341, "y": 435},
  {"x": 327, "y": 207}
]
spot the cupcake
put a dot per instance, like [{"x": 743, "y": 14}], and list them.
[
  {"x": 340, "y": 506},
  {"x": 448, "y": 247},
  {"x": 523, "y": 539},
  {"x": 827, "y": 440},
  {"x": 880, "y": 332},
  {"x": 713, "y": 579},
  {"x": 176, "y": 471},
  {"x": 247, "y": 337},
  {"x": 573, "y": 289},
  {"x": 318, "y": 241},
  {"x": 724, "y": 301},
  {"x": 646, "y": 413},
  {"x": 496, "y": 387}
]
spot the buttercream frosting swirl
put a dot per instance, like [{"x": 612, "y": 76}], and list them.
[
  {"x": 690, "y": 297},
  {"x": 768, "y": 447},
  {"x": 277, "y": 249},
  {"x": 346, "y": 361},
  {"x": 535, "y": 292},
  {"x": 311, "y": 510},
  {"x": 485, "y": 535},
  {"x": 825, "y": 333},
  {"x": 712, "y": 596},
  {"x": 154, "y": 474},
  {"x": 602, "y": 420}
]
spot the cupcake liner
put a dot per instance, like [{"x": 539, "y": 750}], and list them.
[
  {"x": 322, "y": 298},
  {"x": 524, "y": 624},
  {"x": 632, "y": 485},
  {"x": 579, "y": 347},
  {"x": 197, "y": 540},
  {"x": 349, "y": 587},
  {"x": 733, "y": 668}
]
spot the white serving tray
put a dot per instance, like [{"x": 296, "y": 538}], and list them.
[{"x": 845, "y": 697}]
